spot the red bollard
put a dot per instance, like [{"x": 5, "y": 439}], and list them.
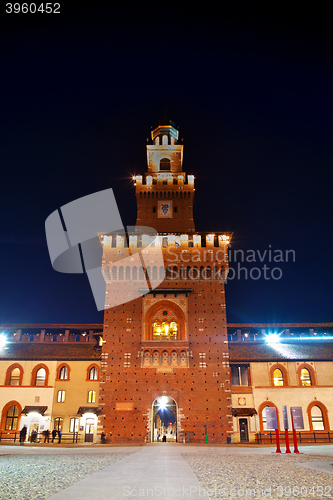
[
  {"x": 277, "y": 437},
  {"x": 287, "y": 441}
]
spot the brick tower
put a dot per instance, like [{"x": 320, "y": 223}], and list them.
[{"x": 165, "y": 362}]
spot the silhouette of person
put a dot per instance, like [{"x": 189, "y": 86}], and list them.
[
  {"x": 54, "y": 433},
  {"x": 23, "y": 433}
]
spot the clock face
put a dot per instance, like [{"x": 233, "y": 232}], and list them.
[{"x": 241, "y": 401}]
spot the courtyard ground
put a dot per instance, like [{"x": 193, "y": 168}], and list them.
[{"x": 164, "y": 470}]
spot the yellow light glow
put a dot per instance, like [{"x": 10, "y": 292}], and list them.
[{"x": 165, "y": 331}]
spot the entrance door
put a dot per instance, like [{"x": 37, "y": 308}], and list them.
[
  {"x": 33, "y": 429},
  {"x": 243, "y": 430},
  {"x": 164, "y": 420},
  {"x": 89, "y": 435}
]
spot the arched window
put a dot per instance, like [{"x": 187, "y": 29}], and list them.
[
  {"x": 12, "y": 418},
  {"x": 305, "y": 377},
  {"x": 141, "y": 273},
  {"x": 93, "y": 373},
  {"x": 165, "y": 164},
  {"x": 277, "y": 377},
  {"x": 165, "y": 140},
  {"x": 318, "y": 416},
  {"x": 40, "y": 378},
  {"x": 15, "y": 377},
  {"x": 317, "y": 419},
  {"x": 91, "y": 397},
  {"x": 63, "y": 373}
]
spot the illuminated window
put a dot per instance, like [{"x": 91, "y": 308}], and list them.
[
  {"x": 58, "y": 423},
  {"x": 74, "y": 425},
  {"x": 164, "y": 330},
  {"x": 277, "y": 377},
  {"x": 305, "y": 377},
  {"x": 91, "y": 397},
  {"x": 15, "y": 377},
  {"x": 63, "y": 374},
  {"x": 11, "y": 418},
  {"x": 317, "y": 419},
  {"x": 40, "y": 377},
  {"x": 61, "y": 397},
  {"x": 93, "y": 373}
]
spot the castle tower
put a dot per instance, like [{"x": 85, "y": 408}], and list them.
[
  {"x": 165, "y": 199},
  {"x": 165, "y": 361}
]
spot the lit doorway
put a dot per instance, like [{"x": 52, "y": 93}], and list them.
[
  {"x": 164, "y": 420},
  {"x": 89, "y": 432}
]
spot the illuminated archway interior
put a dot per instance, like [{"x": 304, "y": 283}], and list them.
[{"x": 164, "y": 420}]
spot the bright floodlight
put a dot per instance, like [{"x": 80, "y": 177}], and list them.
[
  {"x": 272, "y": 338},
  {"x": 163, "y": 402},
  {"x": 3, "y": 340}
]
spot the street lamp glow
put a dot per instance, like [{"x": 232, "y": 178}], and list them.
[
  {"x": 272, "y": 338},
  {"x": 3, "y": 340}
]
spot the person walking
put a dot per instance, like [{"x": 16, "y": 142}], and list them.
[
  {"x": 23, "y": 433},
  {"x": 59, "y": 436},
  {"x": 46, "y": 436},
  {"x": 54, "y": 433}
]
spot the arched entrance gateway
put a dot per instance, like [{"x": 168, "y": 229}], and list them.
[{"x": 164, "y": 420}]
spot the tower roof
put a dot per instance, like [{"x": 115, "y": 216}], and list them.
[{"x": 164, "y": 121}]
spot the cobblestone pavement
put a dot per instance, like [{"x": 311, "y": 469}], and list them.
[
  {"x": 164, "y": 471},
  {"x": 30, "y": 477},
  {"x": 262, "y": 476}
]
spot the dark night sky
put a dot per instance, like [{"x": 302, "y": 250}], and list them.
[{"x": 251, "y": 93}]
